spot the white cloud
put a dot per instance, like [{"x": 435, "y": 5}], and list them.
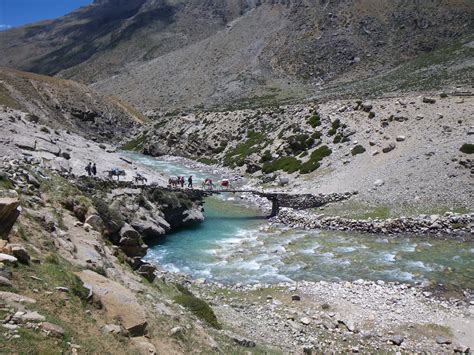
[{"x": 4, "y": 27}]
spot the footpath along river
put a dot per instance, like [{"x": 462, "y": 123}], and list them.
[{"x": 235, "y": 243}]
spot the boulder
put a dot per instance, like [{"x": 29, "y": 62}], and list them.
[
  {"x": 389, "y": 148},
  {"x": 8, "y": 259},
  {"x": 400, "y": 138},
  {"x": 52, "y": 329},
  {"x": 19, "y": 252},
  {"x": 147, "y": 271},
  {"x": 112, "y": 329},
  {"x": 295, "y": 298},
  {"x": 23, "y": 317},
  {"x": 429, "y": 100},
  {"x": 148, "y": 228},
  {"x": 9, "y": 212},
  {"x": 129, "y": 236},
  {"x": 379, "y": 182},
  {"x": 118, "y": 302},
  {"x": 442, "y": 340},
  {"x": 95, "y": 222},
  {"x": 135, "y": 250},
  {"x": 5, "y": 282},
  {"x": 143, "y": 346},
  {"x": 397, "y": 340},
  {"x": 15, "y": 298},
  {"x": 80, "y": 212}
]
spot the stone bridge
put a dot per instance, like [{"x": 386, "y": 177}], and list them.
[{"x": 279, "y": 199}]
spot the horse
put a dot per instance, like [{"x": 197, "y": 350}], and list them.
[
  {"x": 140, "y": 178},
  {"x": 116, "y": 172},
  {"x": 225, "y": 184},
  {"x": 173, "y": 182},
  {"x": 207, "y": 184}
]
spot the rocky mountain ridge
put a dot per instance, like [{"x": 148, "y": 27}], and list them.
[{"x": 171, "y": 54}]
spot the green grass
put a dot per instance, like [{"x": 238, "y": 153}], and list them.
[
  {"x": 467, "y": 148},
  {"x": 136, "y": 144},
  {"x": 254, "y": 143},
  {"x": 5, "y": 183},
  {"x": 197, "y": 306},
  {"x": 288, "y": 164}
]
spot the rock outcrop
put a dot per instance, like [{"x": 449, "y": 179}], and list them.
[
  {"x": 119, "y": 303},
  {"x": 9, "y": 212}
]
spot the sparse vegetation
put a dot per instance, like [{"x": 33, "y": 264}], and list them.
[
  {"x": 197, "y": 306},
  {"x": 5, "y": 183},
  {"x": 314, "y": 161},
  {"x": 467, "y": 148},
  {"x": 136, "y": 144},
  {"x": 358, "y": 149},
  {"x": 288, "y": 164},
  {"x": 334, "y": 127},
  {"x": 255, "y": 143},
  {"x": 315, "y": 120}
]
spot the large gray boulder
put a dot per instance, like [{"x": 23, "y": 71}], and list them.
[{"x": 9, "y": 212}]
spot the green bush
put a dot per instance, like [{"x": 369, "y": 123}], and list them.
[
  {"x": 254, "y": 143},
  {"x": 267, "y": 156},
  {"x": 288, "y": 164},
  {"x": 197, "y": 306},
  {"x": 314, "y": 160},
  {"x": 334, "y": 127},
  {"x": 337, "y": 139},
  {"x": 300, "y": 142},
  {"x": 5, "y": 183},
  {"x": 314, "y": 121},
  {"x": 467, "y": 148},
  {"x": 358, "y": 149}
]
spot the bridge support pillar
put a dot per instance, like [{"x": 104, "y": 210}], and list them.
[{"x": 275, "y": 207}]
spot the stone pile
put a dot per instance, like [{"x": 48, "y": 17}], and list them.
[{"x": 435, "y": 225}]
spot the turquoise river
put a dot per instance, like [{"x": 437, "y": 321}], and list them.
[{"x": 235, "y": 243}]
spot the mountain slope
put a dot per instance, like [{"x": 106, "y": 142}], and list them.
[
  {"x": 175, "y": 53},
  {"x": 65, "y": 104}
]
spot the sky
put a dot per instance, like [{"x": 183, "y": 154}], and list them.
[{"x": 14, "y": 13}]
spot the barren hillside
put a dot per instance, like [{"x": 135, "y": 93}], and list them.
[{"x": 171, "y": 54}]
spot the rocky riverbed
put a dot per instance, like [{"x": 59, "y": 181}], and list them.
[
  {"x": 449, "y": 225},
  {"x": 359, "y": 316}
]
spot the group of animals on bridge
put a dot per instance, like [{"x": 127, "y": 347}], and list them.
[
  {"x": 207, "y": 184},
  {"x": 173, "y": 182}
]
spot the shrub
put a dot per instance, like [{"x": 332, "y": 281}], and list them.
[
  {"x": 314, "y": 121},
  {"x": 314, "y": 161},
  {"x": 358, "y": 149},
  {"x": 45, "y": 129},
  {"x": 337, "y": 139},
  {"x": 267, "y": 156},
  {"x": 254, "y": 143},
  {"x": 288, "y": 164},
  {"x": 334, "y": 127},
  {"x": 5, "y": 182},
  {"x": 197, "y": 306},
  {"x": 300, "y": 142},
  {"x": 467, "y": 148}
]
